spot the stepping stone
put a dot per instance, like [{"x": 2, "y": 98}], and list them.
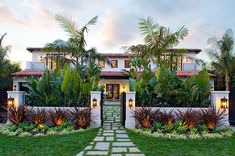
[
  {"x": 80, "y": 154},
  {"x": 88, "y": 148},
  {"x": 120, "y": 131},
  {"x": 109, "y": 138},
  {"x": 116, "y": 155},
  {"x": 108, "y": 131},
  {"x": 134, "y": 150},
  {"x": 108, "y": 134},
  {"x": 119, "y": 149},
  {"x": 97, "y": 153},
  {"x": 102, "y": 146},
  {"x": 123, "y": 144},
  {"x": 122, "y": 136},
  {"x": 99, "y": 138},
  {"x": 134, "y": 155}
]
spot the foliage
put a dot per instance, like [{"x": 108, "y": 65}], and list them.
[
  {"x": 165, "y": 88},
  {"x": 189, "y": 117},
  {"x": 212, "y": 118},
  {"x": 81, "y": 117},
  {"x": 166, "y": 118},
  {"x": 6, "y": 67},
  {"x": 180, "y": 126},
  {"x": 37, "y": 117},
  {"x": 145, "y": 116},
  {"x": 223, "y": 58},
  {"x": 57, "y": 116},
  {"x": 17, "y": 115}
]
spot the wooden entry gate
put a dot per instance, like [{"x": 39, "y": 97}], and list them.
[{"x": 232, "y": 107}]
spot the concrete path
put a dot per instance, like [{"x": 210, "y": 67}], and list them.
[{"x": 112, "y": 138}]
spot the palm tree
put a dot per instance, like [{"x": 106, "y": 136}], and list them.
[
  {"x": 158, "y": 40},
  {"x": 6, "y": 67},
  {"x": 223, "y": 58},
  {"x": 76, "y": 43}
]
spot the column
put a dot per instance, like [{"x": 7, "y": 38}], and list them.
[
  {"x": 96, "y": 110},
  {"x": 130, "y": 121}
]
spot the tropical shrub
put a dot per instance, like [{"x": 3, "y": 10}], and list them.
[
  {"x": 17, "y": 115},
  {"x": 81, "y": 117},
  {"x": 57, "y": 116},
  {"x": 145, "y": 116},
  {"x": 166, "y": 118},
  {"x": 189, "y": 117},
  {"x": 38, "y": 116},
  {"x": 212, "y": 118}
]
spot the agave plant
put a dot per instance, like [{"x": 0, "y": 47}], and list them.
[
  {"x": 81, "y": 117},
  {"x": 57, "y": 116},
  {"x": 166, "y": 118},
  {"x": 212, "y": 118},
  {"x": 145, "y": 116},
  {"x": 189, "y": 117}
]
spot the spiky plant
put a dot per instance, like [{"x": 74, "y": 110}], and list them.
[
  {"x": 166, "y": 118},
  {"x": 17, "y": 114},
  {"x": 57, "y": 116},
  {"x": 145, "y": 116},
  {"x": 212, "y": 118},
  {"x": 81, "y": 117},
  {"x": 38, "y": 116},
  {"x": 189, "y": 117}
]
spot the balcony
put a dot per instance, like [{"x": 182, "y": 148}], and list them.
[{"x": 35, "y": 65}]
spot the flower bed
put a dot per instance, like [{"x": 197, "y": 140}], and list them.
[
  {"x": 26, "y": 121},
  {"x": 194, "y": 124}
]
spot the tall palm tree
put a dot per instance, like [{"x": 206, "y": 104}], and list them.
[
  {"x": 158, "y": 40},
  {"x": 223, "y": 58},
  {"x": 76, "y": 43}
]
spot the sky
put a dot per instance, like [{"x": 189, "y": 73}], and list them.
[{"x": 31, "y": 23}]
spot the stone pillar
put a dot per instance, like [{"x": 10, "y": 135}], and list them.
[
  {"x": 216, "y": 96},
  {"x": 19, "y": 97},
  {"x": 130, "y": 121},
  {"x": 96, "y": 111}
]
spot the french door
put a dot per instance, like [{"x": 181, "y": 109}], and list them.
[{"x": 112, "y": 91}]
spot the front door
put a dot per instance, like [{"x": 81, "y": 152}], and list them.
[{"x": 112, "y": 91}]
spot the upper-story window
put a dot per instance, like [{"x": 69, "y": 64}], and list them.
[
  {"x": 114, "y": 63},
  {"x": 101, "y": 63},
  {"x": 187, "y": 59},
  {"x": 127, "y": 64},
  {"x": 53, "y": 60}
]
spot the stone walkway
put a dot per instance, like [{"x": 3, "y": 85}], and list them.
[{"x": 111, "y": 138}]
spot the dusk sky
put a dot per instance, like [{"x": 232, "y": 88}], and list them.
[{"x": 32, "y": 24}]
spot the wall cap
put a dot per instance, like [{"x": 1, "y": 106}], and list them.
[
  {"x": 95, "y": 92},
  {"x": 130, "y": 92},
  {"x": 220, "y": 92},
  {"x": 15, "y": 92}
]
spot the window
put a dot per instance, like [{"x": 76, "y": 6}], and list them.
[
  {"x": 114, "y": 63},
  {"x": 127, "y": 64},
  {"x": 101, "y": 63},
  {"x": 179, "y": 63},
  {"x": 187, "y": 59}
]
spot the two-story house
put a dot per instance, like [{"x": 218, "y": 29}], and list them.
[{"x": 112, "y": 76}]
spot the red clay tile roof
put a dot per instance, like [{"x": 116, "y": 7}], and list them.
[
  {"x": 28, "y": 72},
  {"x": 31, "y": 49},
  {"x": 103, "y": 73}
]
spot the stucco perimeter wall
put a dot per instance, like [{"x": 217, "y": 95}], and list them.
[
  {"x": 53, "y": 108},
  {"x": 225, "y": 122}
]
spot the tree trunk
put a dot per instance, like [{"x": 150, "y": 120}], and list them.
[{"x": 227, "y": 81}]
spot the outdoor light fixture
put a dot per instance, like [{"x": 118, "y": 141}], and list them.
[
  {"x": 94, "y": 102},
  {"x": 123, "y": 88},
  {"x": 130, "y": 103},
  {"x": 10, "y": 101},
  {"x": 224, "y": 103}
]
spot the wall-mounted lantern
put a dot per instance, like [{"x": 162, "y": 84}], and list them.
[
  {"x": 130, "y": 103},
  {"x": 124, "y": 89},
  {"x": 224, "y": 103},
  {"x": 11, "y": 101},
  {"x": 94, "y": 102}
]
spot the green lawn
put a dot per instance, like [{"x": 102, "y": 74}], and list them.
[
  {"x": 152, "y": 146},
  {"x": 65, "y": 145}
]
